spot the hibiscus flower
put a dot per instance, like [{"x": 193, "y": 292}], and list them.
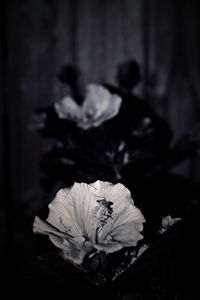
[
  {"x": 92, "y": 217},
  {"x": 99, "y": 105}
]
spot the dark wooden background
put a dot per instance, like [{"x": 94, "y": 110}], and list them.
[{"x": 39, "y": 36}]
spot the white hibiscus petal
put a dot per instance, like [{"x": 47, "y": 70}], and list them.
[
  {"x": 58, "y": 242},
  {"x": 75, "y": 252},
  {"x": 85, "y": 203},
  {"x": 68, "y": 109},
  {"x": 96, "y": 100},
  {"x": 61, "y": 214},
  {"x": 127, "y": 232},
  {"x": 118, "y": 192},
  {"x": 43, "y": 227},
  {"x": 129, "y": 214},
  {"x": 99, "y": 187},
  {"x": 126, "y": 219},
  {"x": 109, "y": 112}
]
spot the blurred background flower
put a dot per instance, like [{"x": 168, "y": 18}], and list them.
[{"x": 99, "y": 105}]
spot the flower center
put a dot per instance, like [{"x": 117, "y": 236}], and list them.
[{"x": 101, "y": 213}]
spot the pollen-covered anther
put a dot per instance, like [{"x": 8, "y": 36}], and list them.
[{"x": 102, "y": 212}]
